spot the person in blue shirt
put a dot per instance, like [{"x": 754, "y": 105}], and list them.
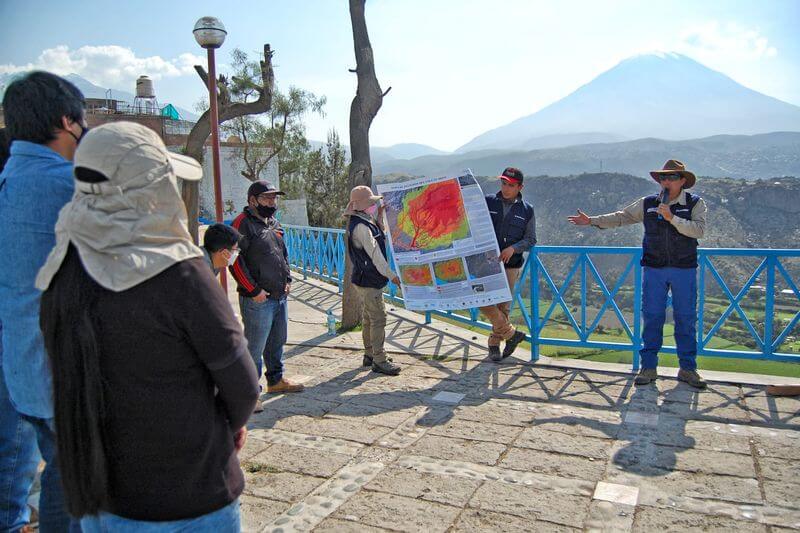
[{"x": 45, "y": 118}]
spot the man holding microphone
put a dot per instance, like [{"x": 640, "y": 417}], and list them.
[{"x": 673, "y": 221}]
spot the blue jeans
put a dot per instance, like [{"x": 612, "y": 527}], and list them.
[
  {"x": 19, "y": 458},
  {"x": 656, "y": 283},
  {"x": 52, "y": 509},
  {"x": 266, "y": 329},
  {"x": 225, "y": 520}
]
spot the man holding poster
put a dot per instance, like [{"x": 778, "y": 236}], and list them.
[
  {"x": 371, "y": 273},
  {"x": 515, "y": 228}
]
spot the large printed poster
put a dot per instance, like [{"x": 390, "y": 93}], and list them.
[{"x": 443, "y": 243}]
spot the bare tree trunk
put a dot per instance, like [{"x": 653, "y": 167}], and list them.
[
  {"x": 365, "y": 106},
  {"x": 227, "y": 111}
]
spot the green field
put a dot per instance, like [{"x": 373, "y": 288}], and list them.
[{"x": 559, "y": 328}]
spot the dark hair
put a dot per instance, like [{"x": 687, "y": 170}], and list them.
[
  {"x": 220, "y": 237},
  {"x": 67, "y": 319},
  {"x": 5, "y": 148},
  {"x": 35, "y": 103}
]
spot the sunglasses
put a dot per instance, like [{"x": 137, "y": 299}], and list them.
[{"x": 669, "y": 177}]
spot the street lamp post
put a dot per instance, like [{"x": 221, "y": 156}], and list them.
[{"x": 209, "y": 32}]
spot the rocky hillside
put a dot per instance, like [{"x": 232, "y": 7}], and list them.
[{"x": 742, "y": 214}]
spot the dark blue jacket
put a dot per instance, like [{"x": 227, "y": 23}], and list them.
[
  {"x": 510, "y": 229},
  {"x": 364, "y": 272},
  {"x": 663, "y": 245}
]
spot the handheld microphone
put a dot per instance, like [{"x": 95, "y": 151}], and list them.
[{"x": 663, "y": 199}]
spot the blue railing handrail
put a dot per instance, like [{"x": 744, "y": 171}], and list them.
[{"x": 320, "y": 252}]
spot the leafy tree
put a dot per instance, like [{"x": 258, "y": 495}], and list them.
[
  {"x": 326, "y": 184},
  {"x": 277, "y": 133},
  {"x": 236, "y": 99}
]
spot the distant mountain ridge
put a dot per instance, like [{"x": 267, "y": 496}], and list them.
[
  {"x": 736, "y": 156},
  {"x": 668, "y": 96},
  {"x": 382, "y": 154}
]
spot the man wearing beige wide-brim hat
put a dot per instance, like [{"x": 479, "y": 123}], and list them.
[
  {"x": 371, "y": 273},
  {"x": 673, "y": 221}
]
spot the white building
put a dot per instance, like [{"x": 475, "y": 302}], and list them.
[{"x": 234, "y": 185}]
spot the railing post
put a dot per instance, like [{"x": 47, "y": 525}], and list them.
[
  {"x": 769, "y": 308},
  {"x": 427, "y": 317},
  {"x": 701, "y": 304},
  {"x": 304, "y": 242},
  {"x": 637, "y": 310},
  {"x": 584, "y": 335},
  {"x": 534, "y": 277}
]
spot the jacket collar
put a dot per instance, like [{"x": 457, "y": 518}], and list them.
[
  {"x": 499, "y": 196},
  {"x": 269, "y": 222},
  {"x": 26, "y": 148},
  {"x": 681, "y": 199}
]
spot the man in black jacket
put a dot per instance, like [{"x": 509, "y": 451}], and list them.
[
  {"x": 515, "y": 228},
  {"x": 262, "y": 276}
]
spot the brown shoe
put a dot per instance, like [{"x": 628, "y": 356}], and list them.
[
  {"x": 284, "y": 385},
  {"x": 646, "y": 376},
  {"x": 692, "y": 378}
]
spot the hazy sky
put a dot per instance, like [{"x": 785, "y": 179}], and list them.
[{"x": 456, "y": 67}]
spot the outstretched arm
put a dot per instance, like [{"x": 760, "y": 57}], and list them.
[{"x": 631, "y": 214}]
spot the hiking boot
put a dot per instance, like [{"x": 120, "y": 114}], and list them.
[
  {"x": 494, "y": 353},
  {"x": 386, "y": 367},
  {"x": 284, "y": 385},
  {"x": 513, "y": 342},
  {"x": 367, "y": 361},
  {"x": 691, "y": 378},
  {"x": 646, "y": 376}
]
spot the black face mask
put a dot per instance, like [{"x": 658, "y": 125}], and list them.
[
  {"x": 265, "y": 211},
  {"x": 84, "y": 129}
]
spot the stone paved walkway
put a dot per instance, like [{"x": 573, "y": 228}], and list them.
[{"x": 459, "y": 443}]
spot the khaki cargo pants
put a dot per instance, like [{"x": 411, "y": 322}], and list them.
[
  {"x": 502, "y": 328},
  {"x": 373, "y": 323}
]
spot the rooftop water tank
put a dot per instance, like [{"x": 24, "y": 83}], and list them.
[{"x": 144, "y": 88}]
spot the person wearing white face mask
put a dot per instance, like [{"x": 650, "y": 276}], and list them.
[
  {"x": 221, "y": 246},
  {"x": 371, "y": 273}
]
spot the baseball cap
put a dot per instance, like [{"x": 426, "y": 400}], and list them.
[
  {"x": 131, "y": 155},
  {"x": 262, "y": 186},
  {"x": 512, "y": 175}
]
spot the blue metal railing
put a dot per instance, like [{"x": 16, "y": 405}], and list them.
[{"x": 320, "y": 252}]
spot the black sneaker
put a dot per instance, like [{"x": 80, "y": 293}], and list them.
[
  {"x": 512, "y": 343},
  {"x": 386, "y": 367},
  {"x": 494, "y": 353}
]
